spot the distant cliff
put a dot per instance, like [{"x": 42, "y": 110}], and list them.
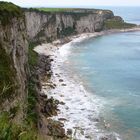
[{"x": 47, "y": 26}]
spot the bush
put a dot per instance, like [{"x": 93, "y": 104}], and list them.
[
  {"x": 67, "y": 31},
  {"x": 12, "y": 131},
  {"x": 32, "y": 116},
  {"x": 114, "y": 24},
  {"x": 7, "y": 74},
  {"x": 8, "y": 11}
]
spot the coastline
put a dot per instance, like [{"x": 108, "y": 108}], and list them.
[{"x": 71, "y": 106}]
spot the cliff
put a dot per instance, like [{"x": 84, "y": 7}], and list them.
[
  {"x": 47, "y": 26},
  {"x": 22, "y": 108},
  {"x": 13, "y": 59},
  {"x": 15, "y": 93}
]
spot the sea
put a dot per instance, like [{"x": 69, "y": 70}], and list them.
[{"x": 108, "y": 66}]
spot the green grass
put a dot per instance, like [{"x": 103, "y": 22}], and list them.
[
  {"x": 113, "y": 24},
  {"x": 33, "y": 56},
  {"x": 8, "y": 11},
  {"x": 7, "y": 74},
  {"x": 32, "y": 116},
  {"x": 27, "y": 130},
  {"x": 67, "y": 31},
  {"x": 12, "y": 131},
  {"x": 7, "y": 71},
  {"x": 55, "y": 9}
]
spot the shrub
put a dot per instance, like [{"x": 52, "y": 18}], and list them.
[
  {"x": 114, "y": 24},
  {"x": 8, "y": 11}
]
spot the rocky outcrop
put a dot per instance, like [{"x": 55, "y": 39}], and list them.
[{"x": 42, "y": 26}]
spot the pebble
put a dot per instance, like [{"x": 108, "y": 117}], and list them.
[
  {"x": 69, "y": 131},
  {"x": 63, "y": 84},
  {"x": 61, "y": 80}
]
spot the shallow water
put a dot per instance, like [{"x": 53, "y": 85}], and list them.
[
  {"x": 79, "y": 112},
  {"x": 109, "y": 67}
]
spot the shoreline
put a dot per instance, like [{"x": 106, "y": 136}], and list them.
[{"x": 57, "y": 51}]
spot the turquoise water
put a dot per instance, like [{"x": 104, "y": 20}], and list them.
[{"x": 109, "y": 67}]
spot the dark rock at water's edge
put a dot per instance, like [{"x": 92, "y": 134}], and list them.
[
  {"x": 48, "y": 107},
  {"x": 44, "y": 66}
]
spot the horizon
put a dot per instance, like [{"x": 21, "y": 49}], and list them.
[{"x": 75, "y": 4}]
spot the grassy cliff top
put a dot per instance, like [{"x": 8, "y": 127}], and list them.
[
  {"x": 9, "y": 7},
  {"x": 68, "y": 10},
  {"x": 56, "y": 9},
  {"x": 117, "y": 24},
  {"x": 7, "y": 11}
]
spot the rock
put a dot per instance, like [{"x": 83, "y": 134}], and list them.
[
  {"x": 54, "y": 85},
  {"x": 96, "y": 120},
  {"x": 51, "y": 60},
  {"x": 56, "y": 129},
  {"x": 61, "y": 80},
  {"x": 88, "y": 137},
  {"x": 62, "y": 119},
  {"x": 69, "y": 131},
  {"x": 57, "y": 102},
  {"x": 108, "y": 137},
  {"x": 63, "y": 84},
  {"x": 50, "y": 85},
  {"x": 104, "y": 138},
  {"x": 50, "y": 107},
  {"x": 43, "y": 95},
  {"x": 61, "y": 103},
  {"x": 61, "y": 95},
  {"x": 67, "y": 109}
]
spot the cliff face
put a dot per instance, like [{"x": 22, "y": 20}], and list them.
[
  {"x": 43, "y": 26},
  {"x": 13, "y": 63}
]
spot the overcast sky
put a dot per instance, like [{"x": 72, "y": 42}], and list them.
[{"x": 74, "y": 3}]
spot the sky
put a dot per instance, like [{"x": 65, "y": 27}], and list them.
[{"x": 74, "y": 3}]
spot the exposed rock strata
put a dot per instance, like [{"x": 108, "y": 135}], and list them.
[
  {"x": 14, "y": 48},
  {"x": 43, "y": 26}
]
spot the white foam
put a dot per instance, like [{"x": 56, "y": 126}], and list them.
[
  {"x": 81, "y": 109},
  {"x": 65, "y": 49}
]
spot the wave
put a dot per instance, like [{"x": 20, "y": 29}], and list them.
[{"x": 81, "y": 110}]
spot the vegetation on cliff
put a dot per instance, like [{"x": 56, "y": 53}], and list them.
[
  {"x": 32, "y": 116},
  {"x": 10, "y": 130},
  {"x": 56, "y": 9},
  {"x": 117, "y": 24},
  {"x": 13, "y": 131},
  {"x": 6, "y": 75},
  {"x": 8, "y": 11}
]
